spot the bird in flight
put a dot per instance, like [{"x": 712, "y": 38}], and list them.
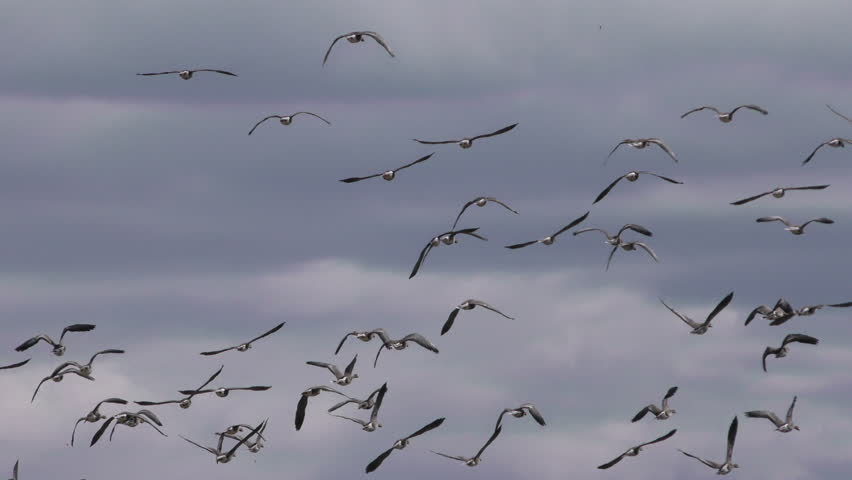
[
  {"x": 467, "y": 142},
  {"x": 551, "y": 238},
  {"x": 245, "y": 346},
  {"x": 631, "y": 176},
  {"x": 781, "y": 351},
  {"x": 187, "y": 74},
  {"x": 778, "y": 193},
  {"x": 725, "y": 117},
  {"x": 633, "y": 451},
  {"x": 389, "y": 174},
  {"x": 794, "y": 229},
  {"x": 782, "y": 426},
  {"x": 640, "y": 143},
  {"x": 701, "y": 328},
  {"x": 286, "y": 119},
  {"x": 356, "y": 37},
  {"x": 726, "y": 467},
  {"x": 400, "y": 444}
]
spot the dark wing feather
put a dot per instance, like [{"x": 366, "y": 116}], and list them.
[
  {"x": 698, "y": 109},
  {"x": 721, "y": 306},
  {"x": 493, "y": 437},
  {"x": 435, "y": 424},
  {"x": 330, "y": 47},
  {"x": 607, "y": 189},
  {"x": 449, "y": 323},
  {"x": 158, "y": 73},
  {"x": 378, "y": 38},
  {"x": 641, "y": 414},
  {"x": 340, "y": 345},
  {"x": 312, "y": 114},
  {"x": 101, "y": 430},
  {"x": 799, "y": 337},
  {"x": 814, "y": 152},
  {"x": 421, "y": 159},
  {"x": 462, "y": 211},
  {"x": 265, "y": 119},
  {"x": 732, "y": 436},
  {"x": 420, "y": 259},
  {"x": 378, "y": 460},
  {"x": 16, "y": 365},
  {"x": 300, "y": 411},
  {"x": 351, "y": 366},
  {"x": 497, "y": 132},
  {"x": 216, "y": 352},
  {"x": 77, "y": 327},
  {"x": 427, "y": 142},
  {"x": 573, "y": 224},
  {"x": 749, "y": 199},
  {"x": 670, "y": 180},
  {"x": 611, "y": 462},
  {"x": 270, "y": 332},
  {"x": 521, "y": 245},
  {"x": 664, "y": 437}
]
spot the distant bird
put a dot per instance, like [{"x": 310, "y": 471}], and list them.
[
  {"x": 839, "y": 114},
  {"x": 402, "y": 343},
  {"x": 286, "y": 119},
  {"x": 468, "y": 142},
  {"x": 187, "y": 74},
  {"x": 782, "y": 311},
  {"x": 782, "y": 426},
  {"x": 340, "y": 378},
  {"x": 355, "y": 37},
  {"x": 633, "y": 451},
  {"x": 129, "y": 419},
  {"x": 833, "y": 143},
  {"x": 520, "y": 412},
  {"x": 616, "y": 239},
  {"x": 373, "y": 424},
  {"x": 365, "y": 337},
  {"x": 223, "y": 392},
  {"x": 390, "y": 174},
  {"x": 631, "y": 176},
  {"x": 245, "y": 346},
  {"x": 778, "y": 193},
  {"x": 95, "y": 415},
  {"x": 58, "y": 376},
  {"x": 15, "y": 365},
  {"x": 366, "y": 404},
  {"x": 794, "y": 229},
  {"x": 802, "y": 312},
  {"x": 722, "y": 468},
  {"x": 303, "y": 402},
  {"x": 481, "y": 202},
  {"x": 781, "y": 351},
  {"x": 447, "y": 238},
  {"x": 400, "y": 444},
  {"x": 85, "y": 369},
  {"x": 701, "y": 328},
  {"x": 222, "y": 457},
  {"x": 58, "y": 348},
  {"x": 552, "y": 238},
  {"x": 629, "y": 247},
  {"x": 473, "y": 461},
  {"x": 185, "y": 402},
  {"x": 232, "y": 433},
  {"x": 661, "y": 413},
  {"x": 469, "y": 304},
  {"x": 640, "y": 143},
  {"x": 725, "y": 117}
]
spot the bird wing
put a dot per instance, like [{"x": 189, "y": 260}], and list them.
[
  {"x": 827, "y": 221},
  {"x": 454, "y": 457},
  {"x": 836, "y": 305},
  {"x": 15, "y": 365},
  {"x": 245, "y": 439},
  {"x": 645, "y": 247},
  {"x": 338, "y": 405},
  {"x": 839, "y": 114},
  {"x": 635, "y": 228},
  {"x": 623, "y": 142},
  {"x": 611, "y": 254},
  {"x": 216, "y": 352},
  {"x": 421, "y": 159},
  {"x": 749, "y": 199},
  {"x": 670, "y": 180},
  {"x": 774, "y": 218},
  {"x": 534, "y": 413},
  {"x": 32, "y": 341},
  {"x": 641, "y": 414},
  {"x": 765, "y": 414},
  {"x": 270, "y": 332},
  {"x": 378, "y": 460},
  {"x": 332, "y": 368},
  {"x": 750, "y": 107},
  {"x": 767, "y": 352},
  {"x": 763, "y": 310},
  {"x": 462, "y": 211},
  {"x": 493, "y": 436},
  {"x": 378, "y": 38},
  {"x": 39, "y": 386},
  {"x": 571, "y": 225},
  {"x": 340, "y": 345},
  {"x": 732, "y": 436},
  {"x": 111, "y": 350},
  {"x": 420, "y": 340},
  {"x": 813, "y": 187},
  {"x": 435, "y": 424},
  {"x": 799, "y": 337},
  {"x": 698, "y": 109},
  {"x": 300, "y": 411},
  {"x": 489, "y": 307},
  {"x": 521, "y": 245},
  {"x": 214, "y": 452},
  {"x": 118, "y": 401},
  {"x": 611, "y": 462},
  {"x": 77, "y": 327},
  {"x": 607, "y": 189},
  {"x": 101, "y": 430},
  {"x": 150, "y": 415},
  {"x": 670, "y": 393},
  {"x": 665, "y": 147},
  {"x": 591, "y": 229},
  {"x": 814, "y": 152},
  {"x": 74, "y": 431},
  {"x": 705, "y": 462},
  {"x": 381, "y": 347},
  {"x": 358, "y": 179},
  {"x": 494, "y": 133},
  {"x": 332, "y": 46},
  {"x": 790, "y": 410},
  {"x": 692, "y": 323},
  {"x": 664, "y": 437},
  {"x": 449, "y": 323},
  {"x": 721, "y": 306},
  {"x": 150, "y": 404},
  {"x": 223, "y": 72},
  {"x": 492, "y": 199},
  {"x": 351, "y": 366},
  {"x": 159, "y": 73},
  {"x": 64, "y": 365},
  {"x": 312, "y": 114},
  {"x": 356, "y": 420},
  {"x": 258, "y": 123},
  {"x": 442, "y": 142},
  {"x": 420, "y": 259},
  {"x": 378, "y": 404}
]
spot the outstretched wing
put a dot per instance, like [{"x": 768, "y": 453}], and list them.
[
  {"x": 573, "y": 224},
  {"x": 420, "y": 259},
  {"x": 489, "y": 307},
  {"x": 750, "y": 107},
  {"x": 765, "y": 414},
  {"x": 378, "y": 460},
  {"x": 705, "y": 462},
  {"x": 839, "y": 114},
  {"x": 462, "y": 211},
  {"x": 312, "y": 114},
  {"x": 332, "y": 46},
  {"x": 77, "y": 327},
  {"x": 435, "y": 424},
  {"x": 300, "y": 411},
  {"x": 692, "y": 323},
  {"x": 265, "y": 119},
  {"x": 750, "y": 199},
  {"x": 698, "y": 109},
  {"x": 493, "y": 437},
  {"x": 101, "y": 430},
  {"x": 611, "y": 462},
  {"x": 721, "y": 306},
  {"x": 670, "y": 180},
  {"x": 15, "y": 365},
  {"x": 270, "y": 332},
  {"x": 158, "y": 73},
  {"x": 449, "y": 323},
  {"x": 223, "y": 72},
  {"x": 494, "y": 133},
  {"x": 607, "y": 189},
  {"x": 799, "y": 337},
  {"x": 378, "y": 38},
  {"x": 665, "y": 147},
  {"x": 521, "y": 245},
  {"x": 732, "y": 436},
  {"x": 420, "y": 340},
  {"x": 645, "y": 247},
  {"x": 664, "y": 437},
  {"x": 814, "y": 152},
  {"x": 774, "y": 218}
]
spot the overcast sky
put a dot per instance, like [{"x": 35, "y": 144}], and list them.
[{"x": 140, "y": 204}]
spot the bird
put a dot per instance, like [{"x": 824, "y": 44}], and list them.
[
  {"x": 725, "y": 117},
  {"x": 85, "y": 369},
  {"x": 223, "y": 392},
  {"x": 552, "y": 238},
  {"x": 640, "y": 143},
  {"x": 303, "y": 402},
  {"x": 390, "y": 174},
  {"x": 364, "y": 337},
  {"x": 185, "y": 402},
  {"x": 402, "y": 343},
  {"x": 616, "y": 239},
  {"x": 245, "y": 346},
  {"x": 722, "y": 468},
  {"x": 447, "y": 238},
  {"x": 187, "y": 74},
  {"x": 468, "y": 142},
  {"x": 839, "y": 114},
  {"x": 131, "y": 420},
  {"x": 782, "y": 426},
  {"x": 58, "y": 347},
  {"x": 778, "y": 193},
  {"x": 15, "y": 365},
  {"x": 522, "y": 411},
  {"x": 58, "y": 376},
  {"x": 222, "y": 457},
  {"x": 373, "y": 424},
  {"x": 633, "y": 451},
  {"x": 836, "y": 142},
  {"x": 701, "y": 328},
  {"x": 794, "y": 229},
  {"x": 661, "y": 413},
  {"x": 781, "y": 351},
  {"x": 355, "y": 37},
  {"x": 95, "y": 415},
  {"x": 469, "y": 304},
  {"x": 286, "y": 119},
  {"x": 473, "y": 461},
  {"x": 400, "y": 444},
  {"x": 366, "y": 404},
  {"x": 802, "y": 312},
  {"x": 629, "y": 247},
  {"x": 782, "y": 311},
  {"x": 340, "y": 378},
  {"x": 631, "y": 176},
  {"x": 481, "y": 202},
  {"x": 252, "y": 447}
]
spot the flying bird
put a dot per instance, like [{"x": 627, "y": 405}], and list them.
[
  {"x": 722, "y": 468},
  {"x": 833, "y": 143},
  {"x": 373, "y": 424},
  {"x": 286, "y": 119},
  {"x": 522, "y": 412},
  {"x": 633, "y": 451},
  {"x": 473, "y": 461},
  {"x": 366, "y": 404},
  {"x": 725, "y": 117},
  {"x": 616, "y": 239},
  {"x": 340, "y": 378},
  {"x": 641, "y": 143},
  {"x": 245, "y": 346},
  {"x": 468, "y": 142},
  {"x": 222, "y": 457},
  {"x": 552, "y": 238},
  {"x": 402, "y": 343},
  {"x": 400, "y": 444},
  {"x": 631, "y": 176},
  {"x": 794, "y": 229},
  {"x": 95, "y": 415},
  {"x": 185, "y": 402},
  {"x": 232, "y": 433},
  {"x": 660, "y": 413},
  {"x": 15, "y": 365},
  {"x": 781, "y": 351},
  {"x": 789, "y": 312},
  {"x": 778, "y": 193},
  {"x": 782, "y": 426},
  {"x": 782, "y": 311},
  {"x": 481, "y": 202},
  {"x": 365, "y": 337},
  {"x": 85, "y": 369},
  {"x": 303, "y": 402},
  {"x": 469, "y": 304},
  {"x": 701, "y": 328},
  {"x": 58, "y": 376},
  {"x": 390, "y": 174},
  {"x": 129, "y": 419},
  {"x": 187, "y": 74},
  {"x": 58, "y": 347},
  {"x": 630, "y": 247},
  {"x": 447, "y": 238},
  {"x": 355, "y": 37}
]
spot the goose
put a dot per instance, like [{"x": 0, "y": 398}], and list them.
[
  {"x": 447, "y": 238},
  {"x": 630, "y": 247},
  {"x": 365, "y": 337},
  {"x": 781, "y": 311},
  {"x": 701, "y": 328},
  {"x": 781, "y": 351},
  {"x": 303, "y": 402},
  {"x": 725, "y": 117},
  {"x": 805, "y": 311},
  {"x": 402, "y": 343},
  {"x": 373, "y": 424},
  {"x": 187, "y": 74},
  {"x": 476, "y": 460},
  {"x": 616, "y": 239},
  {"x": 552, "y": 238},
  {"x": 390, "y": 174},
  {"x": 362, "y": 404},
  {"x": 469, "y": 304},
  {"x": 222, "y": 457},
  {"x": 400, "y": 444},
  {"x": 631, "y": 176},
  {"x": 836, "y": 142},
  {"x": 245, "y": 346},
  {"x": 661, "y": 413},
  {"x": 232, "y": 433},
  {"x": 58, "y": 347},
  {"x": 640, "y": 143},
  {"x": 95, "y": 415},
  {"x": 129, "y": 419},
  {"x": 839, "y": 114},
  {"x": 286, "y": 119},
  {"x": 355, "y": 37},
  {"x": 340, "y": 378},
  {"x": 782, "y": 426},
  {"x": 794, "y": 229},
  {"x": 185, "y": 402},
  {"x": 633, "y": 451},
  {"x": 85, "y": 369},
  {"x": 468, "y": 142},
  {"x": 58, "y": 376},
  {"x": 778, "y": 193},
  {"x": 722, "y": 468},
  {"x": 15, "y": 365},
  {"x": 522, "y": 411},
  {"x": 481, "y": 202},
  {"x": 223, "y": 392}
]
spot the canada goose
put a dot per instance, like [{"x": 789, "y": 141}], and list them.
[{"x": 355, "y": 37}]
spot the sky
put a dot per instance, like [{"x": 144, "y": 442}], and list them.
[{"x": 141, "y": 205}]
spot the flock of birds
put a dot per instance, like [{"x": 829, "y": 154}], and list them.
[{"x": 252, "y": 438}]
